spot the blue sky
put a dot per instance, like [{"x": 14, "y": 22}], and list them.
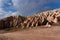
[{"x": 26, "y": 7}]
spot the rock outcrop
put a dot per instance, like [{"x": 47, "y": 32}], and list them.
[
  {"x": 12, "y": 21},
  {"x": 44, "y": 18}
]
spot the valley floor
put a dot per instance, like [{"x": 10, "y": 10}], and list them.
[{"x": 52, "y": 33}]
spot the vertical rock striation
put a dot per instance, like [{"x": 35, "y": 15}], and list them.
[{"x": 44, "y": 18}]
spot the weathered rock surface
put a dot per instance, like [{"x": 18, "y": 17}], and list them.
[
  {"x": 12, "y": 21},
  {"x": 50, "y": 17}
]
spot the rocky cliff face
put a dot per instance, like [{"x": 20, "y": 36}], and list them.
[
  {"x": 44, "y": 18},
  {"x": 12, "y": 21}
]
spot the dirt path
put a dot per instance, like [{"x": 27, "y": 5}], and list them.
[{"x": 52, "y": 33}]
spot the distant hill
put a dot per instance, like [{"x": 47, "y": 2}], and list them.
[{"x": 47, "y": 18}]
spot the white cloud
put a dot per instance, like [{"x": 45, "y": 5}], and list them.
[
  {"x": 2, "y": 2},
  {"x": 29, "y": 7},
  {"x": 26, "y": 7},
  {"x": 4, "y": 14}
]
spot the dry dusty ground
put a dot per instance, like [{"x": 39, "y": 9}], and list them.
[{"x": 52, "y": 33}]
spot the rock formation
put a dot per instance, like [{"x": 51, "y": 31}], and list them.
[{"x": 44, "y": 18}]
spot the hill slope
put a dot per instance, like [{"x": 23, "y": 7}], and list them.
[
  {"x": 47, "y": 18},
  {"x": 44, "y": 18}
]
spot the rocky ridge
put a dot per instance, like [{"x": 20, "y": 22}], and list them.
[{"x": 46, "y": 18}]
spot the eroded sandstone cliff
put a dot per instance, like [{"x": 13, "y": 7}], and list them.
[{"x": 44, "y": 18}]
